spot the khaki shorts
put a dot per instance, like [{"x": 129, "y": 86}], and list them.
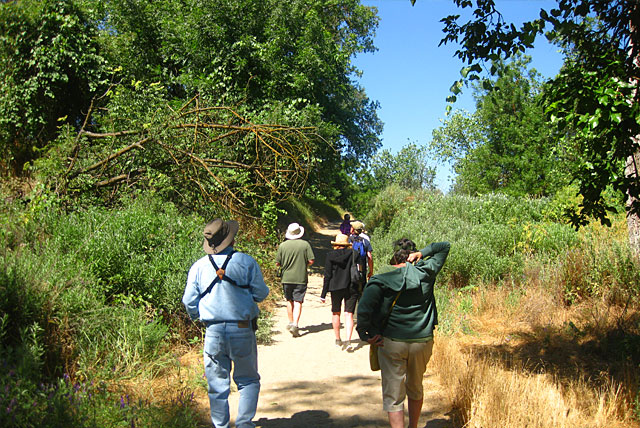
[{"x": 402, "y": 366}]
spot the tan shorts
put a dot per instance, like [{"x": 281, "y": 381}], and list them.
[{"x": 402, "y": 365}]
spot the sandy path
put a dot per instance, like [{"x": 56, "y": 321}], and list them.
[{"x": 309, "y": 382}]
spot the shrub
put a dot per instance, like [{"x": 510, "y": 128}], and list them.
[
  {"x": 492, "y": 236},
  {"x": 142, "y": 251},
  {"x": 120, "y": 342},
  {"x": 89, "y": 293}
]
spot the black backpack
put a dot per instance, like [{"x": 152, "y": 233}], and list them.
[{"x": 358, "y": 263}]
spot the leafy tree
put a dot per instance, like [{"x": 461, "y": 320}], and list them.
[
  {"x": 506, "y": 145},
  {"x": 51, "y": 66},
  {"x": 408, "y": 169},
  {"x": 253, "y": 54},
  {"x": 594, "y": 98}
]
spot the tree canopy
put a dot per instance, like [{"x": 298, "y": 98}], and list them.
[
  {"x": 506, "y": 145},
  {"x": 408, "y": 169},
  {"x": 88, "y": 78},
  {"x": 593, "y": 99}
]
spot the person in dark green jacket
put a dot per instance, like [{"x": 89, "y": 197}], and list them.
[{"x": 403, "y": 330}]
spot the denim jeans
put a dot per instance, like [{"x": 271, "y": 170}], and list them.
[{"x": 225, "y": 343}]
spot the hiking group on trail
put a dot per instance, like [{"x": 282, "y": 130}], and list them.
[{"x": 396, "y": 311}]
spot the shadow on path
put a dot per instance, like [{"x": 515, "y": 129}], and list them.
[
  {"x": 318, "y": 419},
  {"x": 321, "y": 244},
  {"x": 315, "y": 328}
]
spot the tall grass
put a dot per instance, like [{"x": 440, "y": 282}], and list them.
[
  {"x": 526, "y": 359},
  {"x": 486, "y": 394}
]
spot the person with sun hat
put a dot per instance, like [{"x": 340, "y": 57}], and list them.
[
  {"x": 222, "y": 291},
  {"x": 294, "y": 256}
]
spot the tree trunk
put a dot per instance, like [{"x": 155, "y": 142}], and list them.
[
  {"x": 633, "y": 221},
  {"x": 633, "y": 161}
]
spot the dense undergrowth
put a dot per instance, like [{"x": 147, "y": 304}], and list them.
[
  {"x": 91, "y": 298},
  {"x": 528, "y": 307}
]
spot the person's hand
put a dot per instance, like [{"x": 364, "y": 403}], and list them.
[
  {"x": 322, "y": 299},
  {"x": 414, "y": 256},
  {"x": 376, "y": 340},
  {"x": 369, "y": 275}
]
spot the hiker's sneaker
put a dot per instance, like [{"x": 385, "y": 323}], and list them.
[
  {"x": 339, "y": 343},
  {"x": 295, "y": 332},
  {"x": 289, "y": 327},
  {"x": 351, "y": 347}
]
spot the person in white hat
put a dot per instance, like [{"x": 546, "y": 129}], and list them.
[
  {"x": 222, "y": 290},
  {"x": 294, "y": 256}
]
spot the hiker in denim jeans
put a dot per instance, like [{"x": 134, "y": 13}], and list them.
[{"x": 222, "y": 291}]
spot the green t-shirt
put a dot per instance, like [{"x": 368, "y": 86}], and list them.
[{"x": 294, "y": 255}]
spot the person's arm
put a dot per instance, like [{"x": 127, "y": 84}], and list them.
[
  {"x": 191, "y": 296},
  {"x": 369, "y": 304},
  {"x": 328, "y": 274},
  {"x": 310, "y": 256},
  {"x": 436, "y": 253},
  {"x": 259, "y": 290},
  {"x": 370, "y": 263}
]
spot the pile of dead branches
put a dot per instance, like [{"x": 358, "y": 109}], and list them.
[{"x": 201, "y": 152}]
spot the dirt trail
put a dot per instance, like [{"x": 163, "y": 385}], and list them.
[{"x": 309, "y": 382}]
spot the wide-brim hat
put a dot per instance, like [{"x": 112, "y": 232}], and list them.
[
  {"x": 218, "y": 235},
  {"x": 357, "y": 225},
  {"x": 341, "y": 239},
  {"x": 294, "y": 231}
]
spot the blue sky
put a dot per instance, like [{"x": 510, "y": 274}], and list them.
[{"x": 410, "y": 75}]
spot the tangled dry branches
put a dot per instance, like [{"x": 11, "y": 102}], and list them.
[{"x": 227, "y": 158}]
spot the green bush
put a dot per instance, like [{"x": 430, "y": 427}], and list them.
[
  {"x": 600, "y": 269},
  {"x": 495, "y": 237},
  {"x": 143, "y": 250},
  {"x": 23, "y": 302},
  {"x": 491, "y": 236},
  {"x": 90, "y": 292}
]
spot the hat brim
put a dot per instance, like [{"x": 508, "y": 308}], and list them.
[
  {"x": 233, "y": 230},
  {"x": 344, "y": 244},
  {"x": 296, "y": 236}
]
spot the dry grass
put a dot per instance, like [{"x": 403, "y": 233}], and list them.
[
  {"x": 182, "y": 381},
  {"x": 534, "y": 362}
]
